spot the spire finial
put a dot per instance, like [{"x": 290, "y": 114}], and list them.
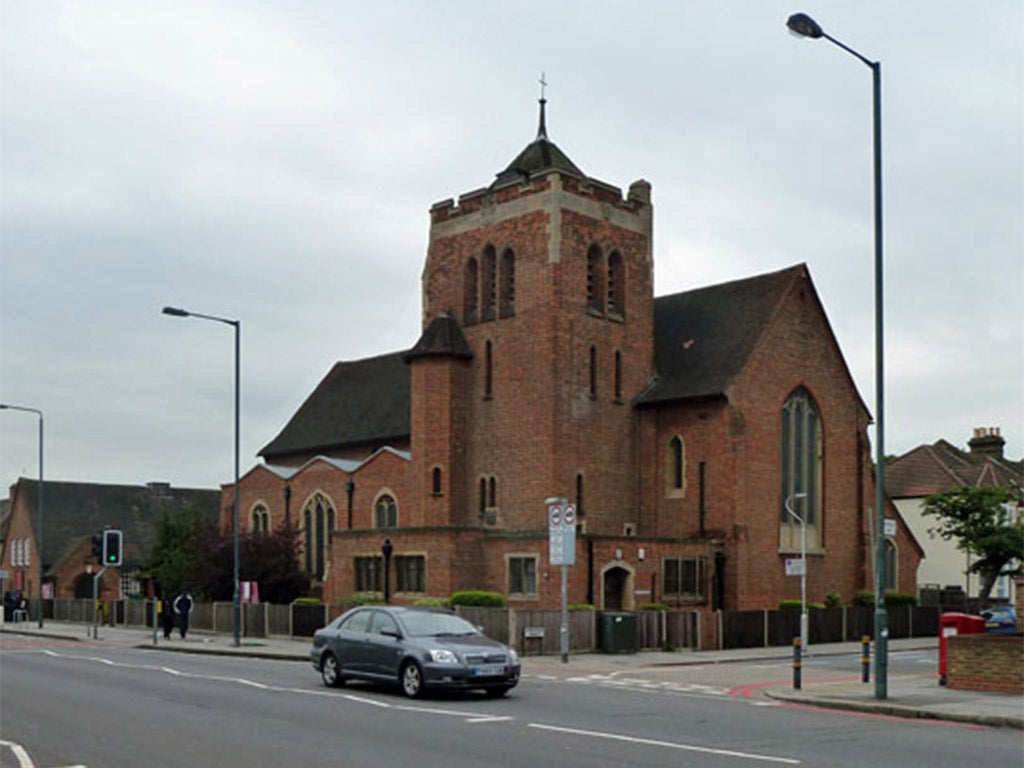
[{"x": 542, "y": 131}]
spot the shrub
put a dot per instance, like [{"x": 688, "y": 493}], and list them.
[
  {"x": 581, "y": 607},
  {"x": 796, "y": 605},
  {"x": 652, "y": 607},
  {"x": 432, "y": 602},
  {"x": 894, "y": 599},
  {"x": 833, "y": 600},
  {"x": 863, "y": 599},
  {"x": 307, "y": 601},
  {"x": 477, "y": 597}
]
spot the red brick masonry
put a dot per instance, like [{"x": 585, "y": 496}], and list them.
[{"x": 986, "y": 662}]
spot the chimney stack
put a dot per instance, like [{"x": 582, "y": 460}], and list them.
[{"x": 987, "y": 442}]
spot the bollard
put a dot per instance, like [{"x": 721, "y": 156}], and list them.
[
  {"x": 797, "y": 663},
  {"x": 865, "y": 658}
]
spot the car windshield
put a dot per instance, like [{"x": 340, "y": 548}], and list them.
[{"x": 426, "y": 624}]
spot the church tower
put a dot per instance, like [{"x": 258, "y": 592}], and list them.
[{"x": 537, "y": 331}]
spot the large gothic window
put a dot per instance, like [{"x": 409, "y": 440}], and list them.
[
  {"x": 318, "y": 522},
  {"x": 470, "y": 293},
  {"x": 507, "y": 299},
  {"x": 800, "y": 472}
]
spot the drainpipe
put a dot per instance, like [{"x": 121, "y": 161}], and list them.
[{"x": 350, "y": 489}]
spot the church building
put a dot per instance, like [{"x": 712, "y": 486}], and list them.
[{"x": 693, "y": 434}]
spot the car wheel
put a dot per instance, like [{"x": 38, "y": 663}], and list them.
[
  {"x": 330, "y": 671},
  {"x": 411, "y": 678},
  {"x": 497, "y": 692}
]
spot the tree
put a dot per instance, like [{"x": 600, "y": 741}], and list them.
[
  {"x": 978, "y": 519},
  {"x": 175, "y": 560},
  {"x": 270, "y": 559}
]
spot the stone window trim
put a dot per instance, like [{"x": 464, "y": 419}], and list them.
[
  {"x": 801, "y": 447},
  {"x": 385, "y": 510}
]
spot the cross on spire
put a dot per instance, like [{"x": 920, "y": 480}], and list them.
[{"x": 542, "y": 131}]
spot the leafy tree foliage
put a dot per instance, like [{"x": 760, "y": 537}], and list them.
[
  {"x": 270, "y": 559},
  {"x": 175, "y": 560},
  {"x": 978, "y": 521}
]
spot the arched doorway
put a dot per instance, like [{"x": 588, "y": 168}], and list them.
[{"x": 616, "y": 588}]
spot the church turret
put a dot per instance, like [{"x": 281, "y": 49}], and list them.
[{"x": 549, "y": 273}]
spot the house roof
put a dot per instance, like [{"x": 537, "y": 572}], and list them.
[
  {"x": 73, "y": 510},
  {"x": 704, "y": 337},
  {"x": 360, "y": 402},
  {"x": 943, "y": 467}
]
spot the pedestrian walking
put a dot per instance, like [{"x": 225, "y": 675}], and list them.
[
  {"x": 182, "y": 607},
  {"x": 167, "y": 617}
]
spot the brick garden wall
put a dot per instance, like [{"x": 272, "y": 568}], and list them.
[{"x": 986, "y": 662}]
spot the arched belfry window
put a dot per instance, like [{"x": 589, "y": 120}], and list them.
[
  {"x": 471, "y": 293},
  {"x": 488, "y": 369},
  {"x": 800, "y": 461},
  {"x": 317, "y": 523},
  {"x": 616, "y": 286},
  {"x": 507, "y": 298},
  {"x": 595, "y": 280},
  {"x": 489, "y": 289}
]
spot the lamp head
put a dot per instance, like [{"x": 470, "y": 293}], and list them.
[
  {"x": 175, "y": 312},
  {"x": 802, "y": 25}
]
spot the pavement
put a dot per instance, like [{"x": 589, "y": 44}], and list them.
[{"x": 916, "y": 695}]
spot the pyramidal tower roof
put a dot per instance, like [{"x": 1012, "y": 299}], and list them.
[{"x": 540, "y": 156}]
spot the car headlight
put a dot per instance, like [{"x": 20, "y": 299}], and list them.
[
  {"x": 513, "y": 657},
  {"x": 443, "y": 656}
]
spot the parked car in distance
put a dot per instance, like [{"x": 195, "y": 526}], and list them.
[
  {"x": 1000, "y": 618},
  {"x": 416, "y": 648}
]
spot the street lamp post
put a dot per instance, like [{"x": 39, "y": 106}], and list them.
[
  {"x": 237, "y": 324},
  {"x": 803, "y": 565},
  {"x": 803, "y": 25},
  {"x": 39, "y": 497}
]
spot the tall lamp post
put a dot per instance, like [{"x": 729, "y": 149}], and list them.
[
  {"x": 176, "y": 312},
  {"x": 803, "y": 565},
  {"x": 803, "y": 25},
  {"x": 39, "y": 502}
]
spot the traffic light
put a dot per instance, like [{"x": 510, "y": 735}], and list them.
[
  {"x": 97, "y": 546},
  {"x": 112, "y": 547}
]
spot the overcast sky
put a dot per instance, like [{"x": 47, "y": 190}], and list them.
[{"x": 275, "y": 163}]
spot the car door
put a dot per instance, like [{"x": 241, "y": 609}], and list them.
[
  {"x": 353, "y": 646},
  {"x": 384, "y": 647}
]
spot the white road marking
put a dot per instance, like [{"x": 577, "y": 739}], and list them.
[
  {"x": 665, "y": 744},
  {"x": 24, "y": 761}
]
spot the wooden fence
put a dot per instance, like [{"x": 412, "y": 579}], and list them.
[{"x": 539, "y": 632}]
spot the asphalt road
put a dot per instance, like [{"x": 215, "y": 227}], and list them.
[{"x": 67, "y": 704}]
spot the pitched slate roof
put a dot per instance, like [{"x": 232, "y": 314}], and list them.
[
  {"x": 360, "y": 402},
  {"x": 73, "y": 510},
  {"x": 943, "y": 467},
  {"x": 704, "y": 337}
]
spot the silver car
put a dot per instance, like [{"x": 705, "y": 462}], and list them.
[{"x": 417, "y": 648}]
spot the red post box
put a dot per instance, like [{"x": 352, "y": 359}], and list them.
[{"x": 951, "y": 624}]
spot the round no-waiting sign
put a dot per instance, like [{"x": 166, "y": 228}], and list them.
[
  {"x": 570, "y": 515},
  {"x": 556, "y": 515}
]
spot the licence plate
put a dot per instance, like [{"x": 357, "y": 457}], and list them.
[{"x": 489, "y": 670}]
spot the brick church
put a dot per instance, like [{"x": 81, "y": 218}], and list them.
[{"x": 678, "y": 426}]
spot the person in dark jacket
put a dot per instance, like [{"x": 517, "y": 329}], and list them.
[
  {"x": 182, "y": 608},
  {"x": 167, "y": 617}
]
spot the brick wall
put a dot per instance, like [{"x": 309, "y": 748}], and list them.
[{"x": 986, "y": 662}]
